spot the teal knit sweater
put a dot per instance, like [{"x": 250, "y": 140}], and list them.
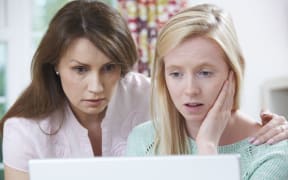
[{"x": 263, "y": 162}]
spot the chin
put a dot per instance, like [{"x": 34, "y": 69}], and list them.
[
  {"x": 97, "y": 110},
  {"x": 196, "y": 118}
]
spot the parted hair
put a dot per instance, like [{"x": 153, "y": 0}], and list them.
[{"x": 94, "y": 20}]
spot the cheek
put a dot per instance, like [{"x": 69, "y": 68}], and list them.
[
  {"x": 68, "y": 80},
  {"x": 115, "y": 77},
  {"x": 70, "y": 85},
  {"x": 168, "y": 85},
  {"x": 110, "y": 83},
  {"x": 173, "y": 89}
]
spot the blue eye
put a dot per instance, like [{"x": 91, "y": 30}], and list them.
[
  {"x": 205, "y": 73},
  {"x": 80, "y": 69},
  {"x": 176, "y": 74},
  {"x": 109, "y": 67}
]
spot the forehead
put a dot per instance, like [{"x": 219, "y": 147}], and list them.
[
  {"x": 196, "y": 50},
  {"x": 83, "y": 50}
]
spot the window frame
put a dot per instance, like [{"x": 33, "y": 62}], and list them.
[{"x": 16, "y": 33}]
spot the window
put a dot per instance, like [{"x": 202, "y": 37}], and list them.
[
  {"x": 43, "y": 11},
  {"x": 3, "y": 57}
]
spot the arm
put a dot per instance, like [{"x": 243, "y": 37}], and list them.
[
  {"x": 13, "y": 174},
  {"x": 275, "y": 129},
  {"x": 274, "y": 168},
  {"x": 17, "y": 147}
]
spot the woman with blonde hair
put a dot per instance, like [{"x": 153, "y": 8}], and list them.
[{"x": 196, "y": 81}]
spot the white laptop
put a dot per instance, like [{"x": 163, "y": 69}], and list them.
[{"x": 224, "y": 167}]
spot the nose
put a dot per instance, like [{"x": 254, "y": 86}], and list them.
[
  {"x": 95, "y": 84},
  {"x": 192, "y": 87}
]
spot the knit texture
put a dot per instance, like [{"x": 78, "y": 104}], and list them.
[{"x": 262, "y": 162}]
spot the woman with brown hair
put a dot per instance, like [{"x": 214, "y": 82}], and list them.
[{"x": 82, "y": 101}]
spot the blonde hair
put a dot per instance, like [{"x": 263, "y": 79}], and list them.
[{"x": 204, "y": 20}]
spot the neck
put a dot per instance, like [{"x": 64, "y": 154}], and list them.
[
  {"x": 192, "y": 128},
  {"x": 89, "y": 120},
  {"x": 238, "y": 128},
  {"x": 241, "y": 127},
  {"x": 93, "y": 120},
  {"x": 95, "y": 136}
]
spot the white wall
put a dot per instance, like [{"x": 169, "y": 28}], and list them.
[
  {"x": 15, "y": 31},
  {"x": 262, "y": 28},
  {"x": 19, "y": 48}
]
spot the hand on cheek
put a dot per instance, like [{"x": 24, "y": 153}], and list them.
[{"x": 217, "y": 118}]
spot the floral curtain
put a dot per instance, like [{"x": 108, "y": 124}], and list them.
[{"x": 145, "y": 18}]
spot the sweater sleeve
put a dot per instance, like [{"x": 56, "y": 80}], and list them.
[
  {"x": 273, "y": 167},
  {"x": 266, "y": 162},
  {"x": 17, "y": 147}
]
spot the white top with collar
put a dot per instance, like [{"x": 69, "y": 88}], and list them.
[{"x": 24, "y": 139}]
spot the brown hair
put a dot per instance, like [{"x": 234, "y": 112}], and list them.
[{"x": 94, "y": 20}]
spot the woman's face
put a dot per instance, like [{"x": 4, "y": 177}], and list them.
[
  {"x": 195, "y": 72},
  {"x": 88, "y": 78}
]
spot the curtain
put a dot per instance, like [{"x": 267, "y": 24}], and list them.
[{"x": 145, "y": 18}]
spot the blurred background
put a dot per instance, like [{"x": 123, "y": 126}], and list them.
[{"x": 261, "y": 25}]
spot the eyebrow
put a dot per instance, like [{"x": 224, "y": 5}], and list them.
[
  {"x": 206, "y": 65},
  {"x": 173, "y": 67},
  {"x": 76, "y": 61},
  {"x": 199, "y": 65},
  {"x": 83, "y": 64}
]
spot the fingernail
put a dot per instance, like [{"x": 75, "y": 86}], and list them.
[
  {"x": 251, "y": 139},
  {"x": 257, "y": 142},
  {"x": 270, "y": 142},
  {"x": 265, "y": 113}
]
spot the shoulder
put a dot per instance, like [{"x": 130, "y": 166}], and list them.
[
  {"x": 137, "y": 78},
  {"x": 25, "y": 128},
  {"x": 31, "y": 126},
  {"x": 141, "y": 139},
  {"x": 18, "y": 124},
  {"x": 131, "y": 101},
  {"x": 133, "y": 90},
  {"x": 135, "y": 81}
]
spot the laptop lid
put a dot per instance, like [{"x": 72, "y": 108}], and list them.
[{"x": 224, "y": 167}]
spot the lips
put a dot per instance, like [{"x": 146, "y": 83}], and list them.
[
  {"x": 193, "y": 104},
  {"x": 194, "y": 108},
  {"x": 94, "y": 102}
]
